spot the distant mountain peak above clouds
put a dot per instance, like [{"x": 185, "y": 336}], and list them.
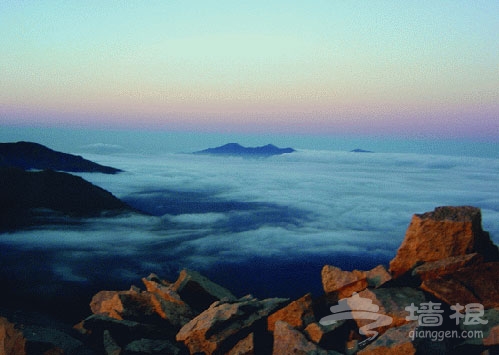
[
  {"x": 235, "y": 149},
  {"x": 29, "y": 155},
  {"x": 358, "y": 150}
]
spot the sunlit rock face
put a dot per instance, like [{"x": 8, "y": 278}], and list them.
[{"x": 445, "y": 232}]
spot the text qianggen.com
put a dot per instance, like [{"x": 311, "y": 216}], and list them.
[{"x": 440, "y": 335}]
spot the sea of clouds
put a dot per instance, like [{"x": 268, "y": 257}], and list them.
[{"x": 265, "y": 226}]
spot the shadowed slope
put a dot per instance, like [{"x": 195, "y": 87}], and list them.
[{"x": 25, "y": 198}]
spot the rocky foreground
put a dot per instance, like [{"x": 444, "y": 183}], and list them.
[{"x": 440, "y": 295}]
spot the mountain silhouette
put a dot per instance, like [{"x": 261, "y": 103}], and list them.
[
  {"x": 28, "y": 155},
  {"x": 235, "y": 149},
  {"x": 358, "y": 150},
  {"x": 29, "y": 198}
]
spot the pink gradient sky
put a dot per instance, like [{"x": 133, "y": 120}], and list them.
[{"x": 382, "y": 67}]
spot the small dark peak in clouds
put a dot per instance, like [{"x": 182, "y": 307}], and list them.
[
  {"x": 235, "y": 149},
  {"x": 29, "y": 155},
  {"x": 358, "y": 150}
]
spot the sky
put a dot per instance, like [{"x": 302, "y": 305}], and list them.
[{"x": 425, "y": 68}]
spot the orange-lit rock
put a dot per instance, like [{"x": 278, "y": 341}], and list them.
[
  {"x": 244, "y": 346},
  {"x": 298, "y": 313},
  {"x": 443, "y": 233},
  {"x": 342, "y": 284},
  {"x": 141, "y": 306},
  {"x": 12, "y": 341}
]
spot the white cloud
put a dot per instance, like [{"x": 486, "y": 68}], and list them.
[{"x": 311, "y": 205}]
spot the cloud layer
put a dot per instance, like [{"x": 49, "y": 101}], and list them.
[{"x": 256, "y": 225}]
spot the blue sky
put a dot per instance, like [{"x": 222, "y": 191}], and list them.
[{"x": 359, "y": 67}]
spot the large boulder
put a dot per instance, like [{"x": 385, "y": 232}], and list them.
[
  {"x": 219, "y": 328},
  {"x": 445, "y": 232}
]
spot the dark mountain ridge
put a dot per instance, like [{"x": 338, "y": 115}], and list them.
[
  {"x": 30, "y": 198},
  {"x": 235, "y": 149},
  {"x": 28, "y": 155}
]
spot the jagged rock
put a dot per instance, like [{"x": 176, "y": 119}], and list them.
[
  {"x": 377, "y": 276},
  {"x": 142, "y": 306},
  {"x": 445, "y": 232},
  {"x": 130, "y": 305},
  {"x": 224, "y": 323},
  {"x": 473, "y": 284},
  {"x": 101, "y": 304},
  {"x": 342, "y": 284},
  {"x": 244, "y": 346},
  {"x": 391, "y": 302},
  {"x": 168, "y": 302},
  {"x": 434, "y": 269},
  {"x": 298, "y": 313},
  {"x": 151, "y": 346},
  {"x": 332, "y": 337},
  {"x": 288, "y": 340},
  {"x": 12, "y": 341},
  {"x": 198, "y": 291},
  {"x": 394, "y": 342}
]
